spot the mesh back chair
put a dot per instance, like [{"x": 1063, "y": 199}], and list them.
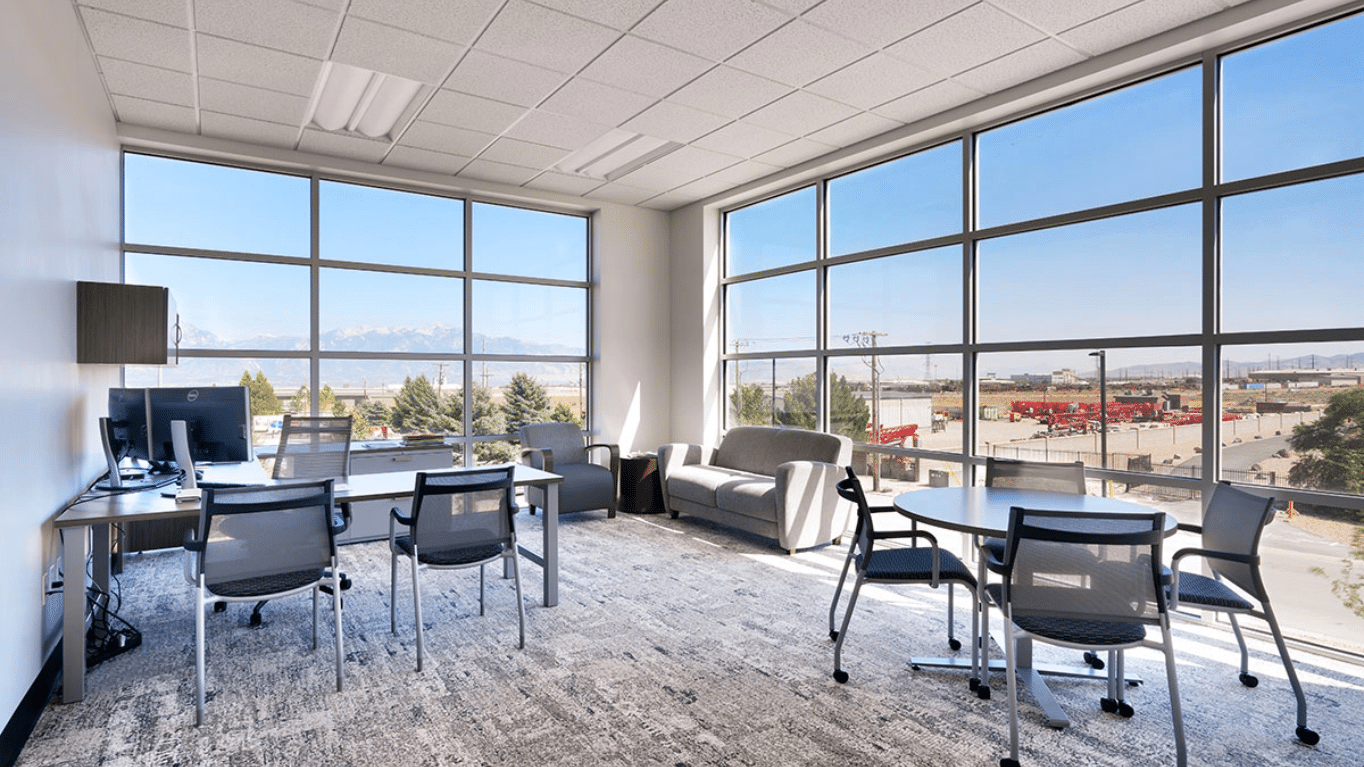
[
  {"x": 1231, "y": 531},
  {"x": 1089, "y": 581},
  {"x": 459, "y": 519},
  {"x": 878, "y": 563},
  {"x": 264, "y": 542},
  {"x": 560, "y": 448}
]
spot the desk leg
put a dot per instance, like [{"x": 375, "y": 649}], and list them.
[
  {"x": 73, "y": 611},
  {"x": 548, "y": 560}
]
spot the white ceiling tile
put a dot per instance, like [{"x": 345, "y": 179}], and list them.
[
  {"x": 597, "y": 102},
  {"x": 1136, "y": 22},
  {"x": 712, "y": 29},
  {"x": 348, "y": 146},
  {"x": 693, "y": 190},
  {"x": 563, "y": 183},
  {"x": 795, "y": 152},
  {"x": 617, "y": 14},
  {"x": 743, "y": 140},
  {"x": 457, "y": 22},
  {"x": 143, "y": 42},
  {"x": 247, "y": 101},
  {"x": 280, "y": 24},
  {"x": 675, "y": 122},
  {"x": 879, "y": 23},
  {"x": 127, "y": 78},
  {"x": 800, "y": 113},
  {"x": 219, "y": 125},
  {"x": 501, "y": 173},
  {"x": 503, "y": 79},
  {"x": 744, "y": 172},
  {"x": 730, "y": 92},
  {"x": 792, "y": 7},
  {"x": 253, "y": 65},
  {"x": 563, "y": 131},
  {"x": 473, "y": 112},
  {"x": 935, "y": 98},
  {"x": 978, "y": 34},
  {"x": 332, "y": 4},
  {"x": 676, "y": 168},
  {"x": 522, "y": 153},
  {"x": 1020, "y": 66},
  {"x": 425, "y": 159},
  {"x": 797, "y": 54},
  {"x": 394, "y": 51},
  {"x": 546, "y": 38},
  {"x": 668, "y": 201},
  {"x": 872, "y": 81},
  {"x": 154, "y": 114},
  {"x": 171, "y": 12},
  {"x": 623, "y": 193},
  {"x": 445, "y": 138},
  {"x": 1051, "y": 16},
  {"x": 644, "y": 67},
  {"x": 859, "y": 127}
]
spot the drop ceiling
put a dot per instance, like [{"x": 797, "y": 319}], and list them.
[{"x": 511, "y": 88}]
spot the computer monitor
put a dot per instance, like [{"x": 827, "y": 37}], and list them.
[
  {"x": 124, "y": 434},
  {"x": 218, "y": 420}
]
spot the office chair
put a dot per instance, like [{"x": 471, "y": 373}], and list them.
[
  {"x": 561, "y": 449},
  {"x": 265, "y": 542},
  {"x": 1088, "y": 581},
  {"x": 459, "y": 519},
  {"x": 1232, "y": 527},
  {"x": 878, "y": 563}
]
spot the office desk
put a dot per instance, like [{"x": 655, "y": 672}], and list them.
[
  {"x": 96, "y": 516},
  {"x": 984, "y": 511}
]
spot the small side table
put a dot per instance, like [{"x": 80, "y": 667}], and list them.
[{"x": 639, "y": 490}]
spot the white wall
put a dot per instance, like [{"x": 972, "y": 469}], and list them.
[
  {"x": 695, "y": 329},
  {"x": 59, "y": 222}
]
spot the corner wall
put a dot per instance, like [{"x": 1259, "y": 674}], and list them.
[{"x": 59, "y": 222}]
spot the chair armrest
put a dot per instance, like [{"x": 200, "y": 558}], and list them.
[
  {"x": 396, "y": 514},
  {"x": 341, "y": 522},
  {"x": 808, "y": 504},
  {"x": 1187, "y": 527},
  {"x": 191, "y": 543},
  {"x": 1206, "y": 554},
  {"x": 673, "y": 456},
  {"x": 915, "y": 535},
  {"x": 612, "y": 456},
  {"x": 539, "y": 457}
]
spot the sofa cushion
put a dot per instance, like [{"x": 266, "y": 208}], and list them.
[
  {"x": 752, "y": 496},
  {"x": 699, "y": 483},
  {"x": 761, "y": 449}
]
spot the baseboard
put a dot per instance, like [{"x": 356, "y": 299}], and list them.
[{"x": 25, "y": 718}]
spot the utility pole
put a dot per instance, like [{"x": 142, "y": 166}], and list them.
[
  {"x": 867, "y": 339},
  {"x": 440, "y": 376}
]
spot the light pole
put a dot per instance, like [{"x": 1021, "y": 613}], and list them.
[
  {"x": 867, "y": 338},
  {"x": 1103, "y": 407}
]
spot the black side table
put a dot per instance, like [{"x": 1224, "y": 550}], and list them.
[{"x": 639, "y": 490}]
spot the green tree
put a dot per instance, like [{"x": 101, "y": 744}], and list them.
[
  {"x": 751, "y": 405},
  {"x": 300, "y": 403},
  {"x": 524, "y": 401},
  {"x": 328, "y": 401},
  {"x": 359, "y": 425},
  {"x": 1332, "y": 447},
  {"x": 564, "y": 413},
  {"x": 263, "y": 399},
  {"x": 849, "y": 414},
  {"x": 373, "y": 411},
  {"x": 488, "y": 419},
  {"x": 417, "y": 408}
]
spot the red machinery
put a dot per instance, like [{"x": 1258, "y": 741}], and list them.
[{"x": 896, "y": 435}]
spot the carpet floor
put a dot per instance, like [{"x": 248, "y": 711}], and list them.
[{"x": 675, "y": 643}]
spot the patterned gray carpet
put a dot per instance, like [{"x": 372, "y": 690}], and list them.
[{"x": 675, "y": 643}]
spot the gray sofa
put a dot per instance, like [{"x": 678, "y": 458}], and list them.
[{"x": 779, "y": 483}]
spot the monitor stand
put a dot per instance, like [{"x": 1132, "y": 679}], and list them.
[{"x": 120, "y": 479}]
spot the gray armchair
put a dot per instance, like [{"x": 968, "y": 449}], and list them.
[{"x": 561, "y": 449}]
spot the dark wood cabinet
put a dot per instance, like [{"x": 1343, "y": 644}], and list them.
[{"x": 126, "y": 324}]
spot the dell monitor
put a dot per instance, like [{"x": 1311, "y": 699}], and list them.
[
  {"x": 218, "y": 420},
  {"x": 124, "y": 435}
]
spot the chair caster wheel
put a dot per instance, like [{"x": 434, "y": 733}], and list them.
[
  {"x": 914, "y": 667},
  {"x": 983, "y": 692},
  {"x": 833, "y": 635},
  {"x": 1125, "y": 709},
  {"x": 1094, "y": 661},
  {"x": 955, "y": 644},
  {"x": 1108, "y": 705},
  {"x": 973, "y": 684},
  {"x": 255, "y": 620},
  {"x": 1249, "y": 680},
  {"x": 219, "y": 607},
  {"x": 1008, "y": 763},
  {"x": 841, "y": 677},
  {"x": 1133, "y": 683},
  {"x": 1308, "y": 736}
]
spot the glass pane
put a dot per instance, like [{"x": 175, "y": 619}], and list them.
[
  {"x": 772, "y": 392},
  {"x": 389, "y": 398},
  {"x": 1298, "y": 236},
  {"x": 904, "y": 300},
  {"x": 509, "y": 395},
  {"x": 227, "y": 304},
  {"x": 772, "y": 233},
  {"x": 529, "y": 243},
  {"x": 387, "y": 312},
  {"x": 771, "y": 314},
  {"x": 912, "y": 198},
  {"x": 176, "y": 203},
  {"x": 1045, "y": 406},
  {"x": 277, "y": 386},
  {"x": 384, "y": 226},
  {"x": 1132, "y": 275},
  {"x": 516, "y": 318},
  {"x": 1136, "y": 142},
  {"x": 1294, "y": 102}
]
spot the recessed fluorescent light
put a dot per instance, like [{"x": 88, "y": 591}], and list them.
[
  {"x": 615, "y": 154},
  {"x": 360, "y": 100}
]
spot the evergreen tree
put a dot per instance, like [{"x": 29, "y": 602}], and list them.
[
  {"x": 849, "y": 413},
  {"x": 374, "y": 412},
  {"x": 417, "y": 408},
  {"x": 488, "y": 419},
  {"x": 564, "y": 413},
  {"x": 263, "y": 399},
  {"x": 300, "y": 404},
  {"x": 751, "y": 405},
  {"x": 328, "y": 401},
  {"x": 524, "y": 401}
]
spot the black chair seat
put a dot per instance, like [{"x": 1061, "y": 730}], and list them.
[
  {"x": 914, "y": 565},
  {"x": 1198, "y": 589},
  {"x": 1085, "y": 632},
  {"x": 463, "y": 555},
  {"x": 266, "y": 585}
]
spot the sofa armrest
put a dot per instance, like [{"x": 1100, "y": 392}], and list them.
[
  {"x": 810, "y": 511},
  {"x": 678, "y": 454}
]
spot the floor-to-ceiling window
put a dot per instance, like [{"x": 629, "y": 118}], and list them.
[
  {"x": 411, "y": 311},
  {"x": 1159, "y": 279}
]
